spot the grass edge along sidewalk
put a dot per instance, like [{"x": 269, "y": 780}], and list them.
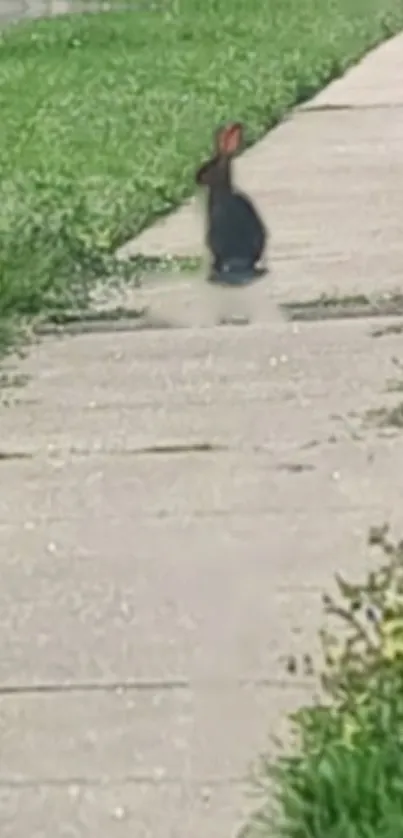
[
  {"x": 344, "y": 778},
  {"x": 105, "y": 116}
]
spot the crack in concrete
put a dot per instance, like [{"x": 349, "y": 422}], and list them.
[
  {"x": 326, "y": 108},
  {"x": 126, "y": 779},
  {"x": 6, "y": 456},
  {"x": 157, "y": 685}
]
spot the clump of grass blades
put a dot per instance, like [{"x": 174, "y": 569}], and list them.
[{"x": 345, "y": 778}]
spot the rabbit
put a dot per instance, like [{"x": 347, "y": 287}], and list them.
[{"x": 236, "y": 236}]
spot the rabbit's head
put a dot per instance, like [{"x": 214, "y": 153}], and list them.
[{"x": 216, "y": 172}]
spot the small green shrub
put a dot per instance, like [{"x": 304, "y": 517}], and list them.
[{"x": 345, "y": 778}]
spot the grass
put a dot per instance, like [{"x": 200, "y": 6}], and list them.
[
  {"x": 392, "y": 329},
  {"x": 105, "y": 116},
  {"x": 387, "y": 417},
  {"x": 345, "y": 776}
]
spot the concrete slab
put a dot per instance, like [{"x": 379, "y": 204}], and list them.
[
  {"x": 110, "y": 737},
  {"x": 149, "y": 609},
  {"x": 150, "y": 810},
  {"x": 203, "y": 486},
  {"x": 250, "y": 386},
  {"x": 374, "y": 82},
  {"x": 13, "y": 10}
]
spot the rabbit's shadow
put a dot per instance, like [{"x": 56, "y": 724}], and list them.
[
  {"x": 156, "y": 322},
  {"x": 203, "y": 305}
]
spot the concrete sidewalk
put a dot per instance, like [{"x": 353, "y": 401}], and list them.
[
  {"x": 12, "y": 10},
  {"x": 175, "y": 501}
]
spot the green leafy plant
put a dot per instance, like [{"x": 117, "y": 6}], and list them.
[{"x": 345, "y": 777}]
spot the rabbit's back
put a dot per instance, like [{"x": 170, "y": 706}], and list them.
[{"x": 235, "y": 231}]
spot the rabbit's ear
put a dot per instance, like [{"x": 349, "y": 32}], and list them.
[{"x": 229, "y": 139}]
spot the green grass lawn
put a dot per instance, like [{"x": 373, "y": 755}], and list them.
[
  {"x": 344, "y": 776},
  {"x": 104, "y": 117}
]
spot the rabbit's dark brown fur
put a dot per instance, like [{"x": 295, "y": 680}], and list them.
[{"x": 236, "y": 236}]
